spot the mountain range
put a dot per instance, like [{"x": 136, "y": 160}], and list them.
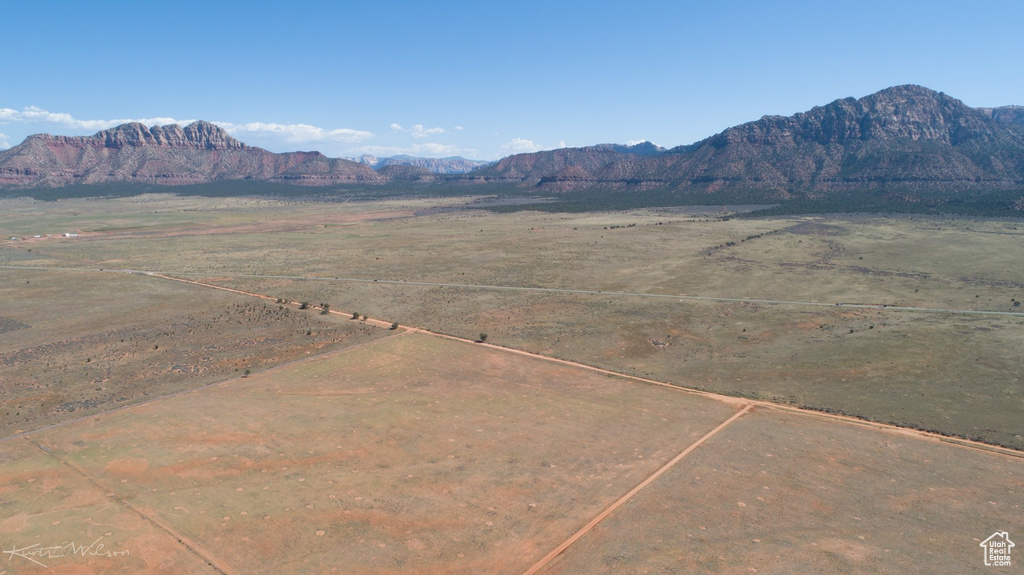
[
  {"x": 906, "y": 137},
  {"x": 906, "y": 141},
  {"x": 451, "y": 165}
]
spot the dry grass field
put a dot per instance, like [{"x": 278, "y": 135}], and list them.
[
  {"x": 784, "y": 493},
  {"x": 416, "y": 454},
  {"x": 411, "y": 455},
  {"x": 73, "y": 343},
  {"x": 354, "y": 449},
  {"x": 55, "y": 521},
  {"x": 928, "y": 262},
  {"x": 953, "y": 373}
]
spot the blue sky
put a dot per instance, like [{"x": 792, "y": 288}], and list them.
[{"x": 484, "y": 79}]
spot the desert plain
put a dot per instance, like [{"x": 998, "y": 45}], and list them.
[{"x": 240, "y": 385}]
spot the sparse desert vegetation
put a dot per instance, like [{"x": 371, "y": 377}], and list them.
[
  {"x": 338, "y": 439},
  {"x": 86, "y": 342},
  {"x": 433, "y": 271}
]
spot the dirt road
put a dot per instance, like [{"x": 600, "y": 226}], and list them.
[{"x": 720, "y": 397}]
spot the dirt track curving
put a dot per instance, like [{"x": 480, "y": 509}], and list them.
[{"x": 726, "y": 398}]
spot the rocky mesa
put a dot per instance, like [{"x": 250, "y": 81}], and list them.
[{"x": 173, "y": 155}]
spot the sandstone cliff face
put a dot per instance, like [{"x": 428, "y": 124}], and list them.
[
  {"x": 1006, "y": 114},
  {"x": 537, "y": 165},
  {"x": 198, "y": 153},
  {"x": 905, "y": 136},
  {"x": 197, "y": 135}
]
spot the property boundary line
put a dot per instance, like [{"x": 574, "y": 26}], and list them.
[
  {"x": 622, "y": 500},
  {"x": 148, "y": 516},
  {"x": 26, "y": 434},
  {"x": 745, "y": 405},
  {"x": 909, "y": 431}
]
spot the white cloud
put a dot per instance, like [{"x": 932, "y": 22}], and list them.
[
  {"x": 285, "y": 133},
  {"x": 271, "y": 135},
  {"x": 417, "y": 131},
  {"x": 295, "y": 133},
  {"x": 32, "y": 114},
  {"x": 520, "y": 145}
]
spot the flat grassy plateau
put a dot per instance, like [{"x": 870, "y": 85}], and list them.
[{"x": 952, "y": 373}]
